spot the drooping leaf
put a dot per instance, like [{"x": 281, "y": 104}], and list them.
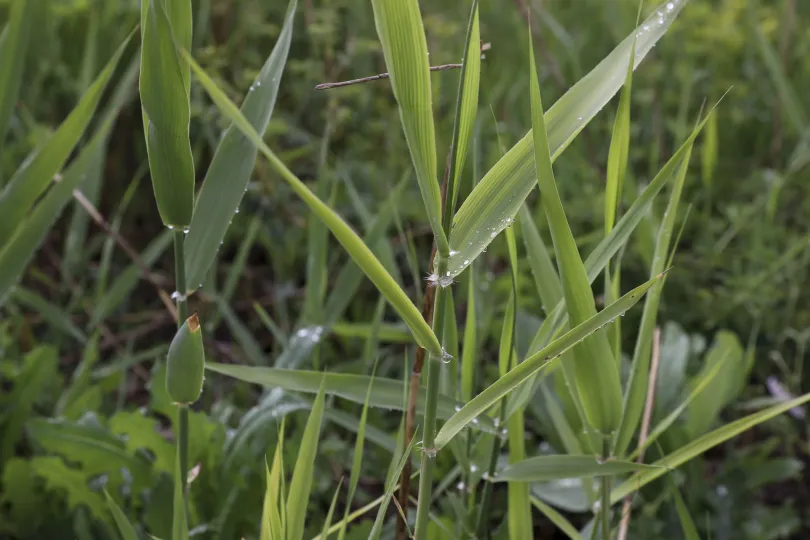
[{"x": 352, "y": 243}]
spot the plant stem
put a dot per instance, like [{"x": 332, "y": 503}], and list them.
[
  {"x": 497, "y": 443},
  {"x": 429, "y": 430},
  {"x": 182, "y": 315},
  {"x": 604, "y": 503}
]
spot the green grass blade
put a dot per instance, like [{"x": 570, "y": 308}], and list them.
[
  {"x": 619, "y": 145},
  {"x": 18, "y": 251},
  {"x": 328, "y": 521},
  {"x": 466, "y": 108},
  {"x": 537, "y": 361},
  {"x": 391, "y": 484},
  {"x": 402, "y": 36},
  {"x": 128, "y": 279},
  {"x": 230, "y": 169},
  {"x": 272, "y": 527},
  {"x": 636, "y": 392},
  {"x": 687, "y": 523},
  {"x": 708, "y": 152},
  {"x": 545, "y": 275},
  {"x": 497, "y": 198},
  {"x": 56, "y": 317},
  {"x": 557, "y": 519},
  {"x": 80, "y": 379},
  {"x": 727, "y": 351},
  {"x": 385, "y": 392},
  {"x": 700, "y": 445},
  {"x": 597, "y": 375},
  {"x": 352, "y": 243},
  {"x": 386, "y": 333},
  {"x": 558, "y": 467},
  {"x": 469, "y": 351},
  {"x": 357, "y": 462},
  {"x": 39, "y": 169},
  {"x": 610, "y": 245},
  {"x": 13, "y": 47},
  {"x": 703, "y": 381},
  {"x": 301, "y": 483},
  {"x": 125, "y": 528},
  {"x": 164, "y": 88}
]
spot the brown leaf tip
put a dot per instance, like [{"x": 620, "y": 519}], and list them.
[{"x": 193, "y": 323}]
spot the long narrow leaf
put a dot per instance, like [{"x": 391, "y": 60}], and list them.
[
  {"x": 558, "y": 467},
  {"x": 399, "y": 27},
  {"x": 535, "y": 362},
  {"x": 596, "y": 373},
  {"x": 13, "y": 48},
  {"x": 229, "y": 171},
  {"x": 39, "y": 169},
  {"x": 361, "y": 254},
  {"x": 497, "y": 198},
  {"x": 700, "y": 445}
]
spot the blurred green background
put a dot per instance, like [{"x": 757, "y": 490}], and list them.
[{"x": 741, "y": 266}]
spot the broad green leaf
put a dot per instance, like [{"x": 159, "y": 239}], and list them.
[
  {"x": 352, "y": 243},
  {"x": 497, "y": 198},
  {"x": 596, "y": 373},
  {"x": 703, "y": 380},
  {"x": 179, "y": 518},
  {"x": 697, "y": 447},
  {"x": 557, "y": 467},
  {"x": 97, "y": 450},
  {"x": 727, "y": 352},
  {"x": 164, "y": 87},
  {"x": 638, "y": 382},
  {"x": 301, "y": 483},
  {"x": 619, "y": 145},
  {"x": 466, "y": 108},
  {"x": 59, "y": 478},
  {"x": 30, "y": 232},
  {"x": 385, "y": 393},
  {"x": 40, "y": 168},
  {"x": 543, "y": 358},
  {"x": 230, "y": 169},
  {"x": 391, "y": 484},
  {"x": 402, "y": 36},
  {"x": 13, "y": 48},
  {"x": 56, "y": 317},
  {"x": 125, "y": 528},
  {"x": 557, "y": 519}
]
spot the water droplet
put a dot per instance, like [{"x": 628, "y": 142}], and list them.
[
  {"x": 579, "y": 118},
  {"x": 473, "y": 467},
  {"x": 646, "y": 27},
  {"x": 251, "y": 88},
  {"x": 170, "y": 227},
  {"x": 458, "y": 408},
  {"x": 258, "y": 84},
  {"x": 176, "y": 295},
  {"x": 494, "y": 234},
  {"x": 475, "y": 421},
  {"x": 466, "y": 262},
  {"x": 460, "y": 486},
  {"x": 430, "y": 452},
  {"x": 446, "y": 357},
  {"x": 453, "y": 252},
  {"x": 670, "y": 6},
  {"x": 185, "y": 230},
  {"x": 237, "y": 209}
]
